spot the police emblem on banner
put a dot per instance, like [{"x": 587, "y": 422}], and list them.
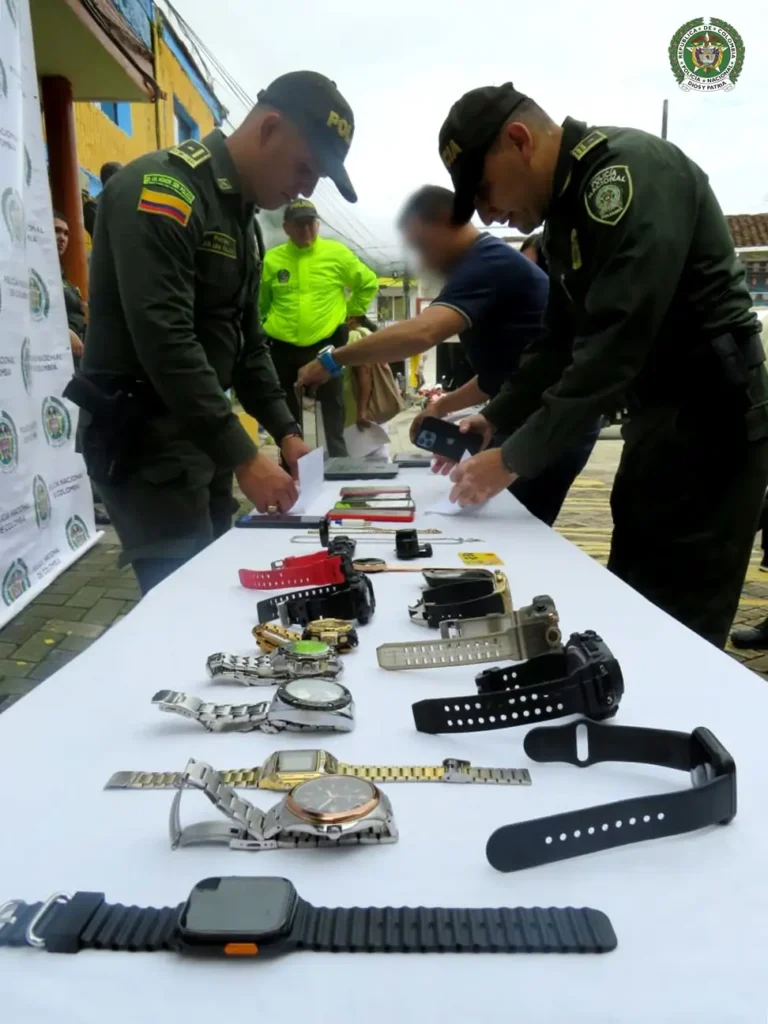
[
  {"x": 9, "y": 444},
  {"x": 39, "y": 299},
  {"x": 77, "y": 532},
  {"x": 42, "y": 502},
  {"x": 27, "y": 168},
  {"x": 283, "y": 275},
  {"x": 15, "y": 581},
  {"x": 26, "y": 364},
  {"x": 12, "y": 10},
  {"x": 706, "y": 56},
  {"x": 13, "y": 215},
  {"x": 57, "y": 423},
  {"x": 3, "y": 82}
]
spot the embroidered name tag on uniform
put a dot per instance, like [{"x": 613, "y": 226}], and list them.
[
  {"x": 166, "y": 181},
  {"x": 608, "y": 194},
  {"x": 151, "y": 201},
  {"x": 222, "y": 245}
]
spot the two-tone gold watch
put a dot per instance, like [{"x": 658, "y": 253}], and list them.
[
  {"x": 288, "y": 768},
  {"x": 338, "y": 634}
]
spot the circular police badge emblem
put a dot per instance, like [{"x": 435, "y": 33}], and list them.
[
  {"x": 77, "y": 532},
  {"x": 283, "y": 276},
  {"x": 15, "y": 581},
  {"x": 42, "y": 502},
  {"x": 57, "y": 423},
  {"x": 608, "y": 194},
  {"x": 706, "y": 56},
  {"x": 26, "y": 364},
  {"x": 27, "y": 168},
  {"x": 13, "y": 215},
  {"x": 39, "y": 299},
  {"x": 9, "y": 444}
]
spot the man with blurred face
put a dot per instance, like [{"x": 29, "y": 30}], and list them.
[
  {"x": 174, "y": 324},
  {"x": 310, "y": 285},
  {"x": 648, "y": 311}
]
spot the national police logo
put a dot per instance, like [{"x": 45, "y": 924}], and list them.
[
  {"x": 13, "y": 215},
  {"x": 609, "y": 194},
  {"x": 77, "y": 532},
  {"x": 3, "y": 81},
  {"x": 42, "y": 502},
  {"x": 57, "y": 423},
  {"x": 26, "y": 364},
  {"x": 27, "y": 168},
  {"x": 9, "y": 444},
  {"x": 39, "y": 299},
  {"x": 706, "y": 56},
  {"x": 11, "y": 5},
  {"x": 15, "y": 581},
  {"x": 283, "y": 276}
]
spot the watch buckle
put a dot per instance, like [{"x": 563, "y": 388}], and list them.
[
  {"x": 31, "y": 937},
  {"x": 8, "y": 912}
]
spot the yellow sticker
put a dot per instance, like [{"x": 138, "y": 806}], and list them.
[{"x": 479, "y": 558}]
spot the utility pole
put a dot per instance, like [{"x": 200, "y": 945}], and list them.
[
  {"x": 664, "y": 115},
  {"x": 407, "y": 292}
]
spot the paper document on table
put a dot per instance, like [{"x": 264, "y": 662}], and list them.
[
  {"x": 362, "y": 442},
  {"x": 445, "y": 507},
  {"x": 310, "y": 482}
]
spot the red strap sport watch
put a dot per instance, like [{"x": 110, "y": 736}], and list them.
[{"x": 316, "y": 570}]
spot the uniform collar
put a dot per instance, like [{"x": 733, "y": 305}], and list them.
[
  {"x": 224, "y": 171},
  {"x": 573, "y": 132}
]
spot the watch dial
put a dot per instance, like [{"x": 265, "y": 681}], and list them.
[
  {"x": 314, "y": 647},
  {"x": 297, "y": 760},
  {"x": 315, "y": 691},
  {"x": 333, "y": 794},
  {"x": 239, "y": 907}
]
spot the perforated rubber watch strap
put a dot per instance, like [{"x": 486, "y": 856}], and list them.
[
  {"x": 437, "y": 930},
  {"x": 502, "y": 710},
  {"x": 350, "y": 601},
  {"x": 321, "y": 572}
]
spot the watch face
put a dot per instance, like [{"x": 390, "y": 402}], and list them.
[
  {"x": 333, "y": 798},
  {"x": 230, "y": 908},
  {"x": 312, "y": 648},
  {"x": 297, "y": 761},
  {"x": 316, "y": 694}
]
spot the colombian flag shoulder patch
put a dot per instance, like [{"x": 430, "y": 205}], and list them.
[{"x": 152, "y": 201}]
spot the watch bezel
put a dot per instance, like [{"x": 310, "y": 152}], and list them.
[
  {"x": 297, "y": 702},
  {"x": 338, "y": 817}
]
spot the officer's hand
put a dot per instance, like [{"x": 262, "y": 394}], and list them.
[
  {"x": 292, "y": 448},
  {"x": 482, "y": 477},
  {"x": 313, "y": 374},
  {"x": 263, "y": 482}
]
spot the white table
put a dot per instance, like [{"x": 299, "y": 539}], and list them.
[{"x": 690, "y": 912}]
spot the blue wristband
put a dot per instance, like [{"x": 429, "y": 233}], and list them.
[{"x": 328, "y": 363}]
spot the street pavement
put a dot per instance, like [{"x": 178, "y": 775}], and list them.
[{"x": 94, "y": 594}]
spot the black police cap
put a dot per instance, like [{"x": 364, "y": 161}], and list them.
[
  {"x": 468, "y": 133},
  {"x": 323, "y": 117}
]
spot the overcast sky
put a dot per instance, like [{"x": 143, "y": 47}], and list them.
[{"x": 401, "y": 66}]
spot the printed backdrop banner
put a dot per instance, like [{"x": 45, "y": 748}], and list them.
[{"x": 46, "y": 511}]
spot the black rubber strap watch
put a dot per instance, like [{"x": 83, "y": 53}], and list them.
[
  {"x": 712, "y": 801},
  {"x": 265, "y": 917},
  {"x": 472, "y": 596},
  {"x": 584, "y": 679},
  {"x": 353, "y": 600}
]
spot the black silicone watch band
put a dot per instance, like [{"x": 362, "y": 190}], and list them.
[
  {"x": 435, "y": 930},
  {"x": 335, "y": 601},
  {"x": 497, "y": 710},
  {"x": 86, "y": 921},
  {"x": 546, "y": 668},
  {"x": 562, "y": 836}
]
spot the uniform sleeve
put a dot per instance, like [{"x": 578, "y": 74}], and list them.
[
  {"x": 154, "y": 235},
  {"x": 265, "y": 291},
  {"x": 362, "y": 283},
  {"x": 637, "y": 254}
]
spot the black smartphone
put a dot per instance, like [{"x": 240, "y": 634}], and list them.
[
  {"x": 282, "y": 521},
  {"x": 443, "y": 438}
]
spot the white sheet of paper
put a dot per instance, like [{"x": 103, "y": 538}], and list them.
[
  {"x": 362, "y": 442},
  {"x": 445, "y": 507},
  {"x": 311, "y": 480}
]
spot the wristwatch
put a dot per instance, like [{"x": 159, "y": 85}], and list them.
[
  {"x": 263, "y": 917},
  {"x": 337, "y": 633},
  {"x": 269, "y": 636},
  {"x": 712, "y": 801},
  {"x": 333, "y": 565},
  {"x": 303, "y": 705},
  {"x": 585, "y": 679},
  {"x": 514, "y": 636},
  {"x": 296, "y": 660},
  {"x": 353, "y": 600},
  {"x": 287, "y": 768},
  {"x": 328, "y": 363},
  {"x": 335, "y": 810},
  {"x": 475, "y": 593}
]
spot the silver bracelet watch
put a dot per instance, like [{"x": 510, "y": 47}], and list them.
[
  {"x": 303, "y": 705},
  {"x": 333, "y": 810},
  {"x": 299, "y": 659}
]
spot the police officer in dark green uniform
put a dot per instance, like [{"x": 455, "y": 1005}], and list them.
[
  {"x": 174, "y": 324},
  {"x": 648, "y": 311}
]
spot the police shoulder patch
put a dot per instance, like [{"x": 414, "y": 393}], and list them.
[
  {"x": 588, "y": 142},
  {"x": 191, "y": 152},
  {"x": 608, "y": 194},
  {"x": 164, "y": 205},
  {"x": 173, "y": 184}
]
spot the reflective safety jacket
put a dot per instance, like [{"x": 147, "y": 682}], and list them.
[{"x": 303, "y": 291}]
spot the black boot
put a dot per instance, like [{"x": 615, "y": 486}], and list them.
[{"x": 754, "y": 638}]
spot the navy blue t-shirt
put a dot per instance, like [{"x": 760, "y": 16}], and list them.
[{"x": 502, "y": 295}]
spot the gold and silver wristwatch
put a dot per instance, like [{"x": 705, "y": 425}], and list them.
[
  {"x": 338, "y": 634},
  {"x": 303, "y": 705},
  {"x": 269, "y": 636},
  {"x": 513, "y": 636},
  {"x": 330, "y": 810},
  {"x": 288, "y": 768},
  {"x": 299, "y": 659}
]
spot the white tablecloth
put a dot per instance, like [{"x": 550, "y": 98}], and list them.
[{"x": 690, "y": 912}]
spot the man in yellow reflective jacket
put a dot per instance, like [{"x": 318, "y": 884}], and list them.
[{"x": 304, "y": 307}]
